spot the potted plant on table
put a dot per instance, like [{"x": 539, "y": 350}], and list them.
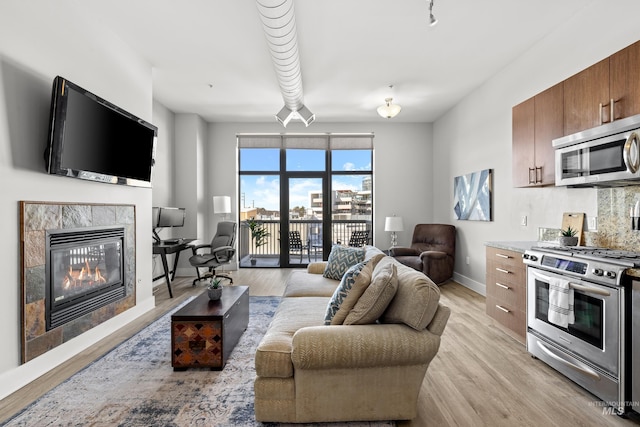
[
  {"x": 568, "y": 237},
  {"x": 214, "y": 289},
  {"x": 259, "y": 236}
]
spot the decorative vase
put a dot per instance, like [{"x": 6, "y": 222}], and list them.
[
  {"x": 214, "y": 294},
  {"x": 568, "y": 240}
]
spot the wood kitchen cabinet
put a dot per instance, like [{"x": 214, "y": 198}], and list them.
[
  {"x": 507, "y": 291},
  {"x": 535, "y": 123},
  {"x": 609, "y": 86},
  {"x": 586, "y": 98}
]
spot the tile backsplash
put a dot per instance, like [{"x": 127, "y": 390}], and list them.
[{"x": 614, "y": 220}]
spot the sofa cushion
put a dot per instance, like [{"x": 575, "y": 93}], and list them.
[
  {"x": 340, "y": 259},
  {"x": 302, "y": 284},
  {"x": 375, "y": 298},
  {"x": 273, "y": 356},
  {"x": 416, "y": 300},
  {"x": 353, "y": 284}
]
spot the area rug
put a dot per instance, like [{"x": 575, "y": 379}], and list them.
[{"x": 135, "y": 385}]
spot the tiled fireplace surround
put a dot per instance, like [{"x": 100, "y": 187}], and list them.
[{"x": 35, "y": 219}]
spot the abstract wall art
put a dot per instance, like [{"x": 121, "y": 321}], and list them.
[{"x": 472, "y": 196}]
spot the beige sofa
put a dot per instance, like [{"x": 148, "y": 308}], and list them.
[{"x": 309, "y": 372}]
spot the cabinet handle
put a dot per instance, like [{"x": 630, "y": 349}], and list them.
[
  {"x": 538, "y": 180},
  {"x": 532, "y": 180},
  {"x": 502, "y": 286},
  {"x": 502, "y": 270},
  {"x": 503, "y": 256},
  {"x": 499, "y": 307},
  {"x": 601, "y": 113},
  {"x": 612, "y": 110}
]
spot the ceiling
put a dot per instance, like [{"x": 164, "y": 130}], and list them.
[{"x": 210, "y": 57}]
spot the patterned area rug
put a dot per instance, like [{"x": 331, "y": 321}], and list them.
[{"x": 135, "y": 385}]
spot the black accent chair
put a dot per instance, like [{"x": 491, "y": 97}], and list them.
[
  {"x": 359, "y": 238},
  {"x": 296, "y": 246},
  {"x": 220, "y": 253}
]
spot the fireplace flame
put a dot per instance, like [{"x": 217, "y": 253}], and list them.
[{"x": 83, "y": 276}]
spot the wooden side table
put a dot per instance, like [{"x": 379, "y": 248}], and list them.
[{"x": 204, "y": 332}]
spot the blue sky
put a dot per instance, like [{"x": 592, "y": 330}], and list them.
[{"x": 264, "y": 190}]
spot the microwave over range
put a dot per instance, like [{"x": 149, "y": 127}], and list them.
[{"x": 604, "y": 156}]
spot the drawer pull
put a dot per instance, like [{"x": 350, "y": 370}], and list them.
[
  {"x": 503, "y": 256},
  {"x": 502, "y": 270},
  {"x": 499, "y": 307},
  {"x": 502, "y": 286}
]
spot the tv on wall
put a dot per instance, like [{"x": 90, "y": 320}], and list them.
[{"x": 90, "y": 138}]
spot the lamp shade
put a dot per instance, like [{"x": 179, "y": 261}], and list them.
[
  {"x": 393, "y": 223},
  {"x": 222, "y": 204}
]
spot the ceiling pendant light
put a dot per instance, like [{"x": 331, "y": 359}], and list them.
[
  {"x": 389, "y": 110},
  {"x": 432, "y": 19}
]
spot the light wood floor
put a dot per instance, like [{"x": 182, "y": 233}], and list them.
[{"x": 480, "y": 377}]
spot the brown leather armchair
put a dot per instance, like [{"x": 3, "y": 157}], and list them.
[{"x": 432, "y": 251}]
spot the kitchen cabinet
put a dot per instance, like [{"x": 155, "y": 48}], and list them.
[
  {"x": 535, "y": 123},
  {"x": 586, "y": 98},
  {"x": 608, "y": 90},
  {"x": 507, "y": 291}
]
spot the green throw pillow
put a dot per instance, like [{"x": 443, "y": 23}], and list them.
[{"x": 340, "y": 259}]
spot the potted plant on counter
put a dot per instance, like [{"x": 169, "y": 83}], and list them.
[{"x": 568, "y": 237}]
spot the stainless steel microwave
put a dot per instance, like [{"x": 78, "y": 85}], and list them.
[{"x": 605, "y": 156}]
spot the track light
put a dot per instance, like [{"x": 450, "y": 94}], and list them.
[{"x": 432, "y": 19}]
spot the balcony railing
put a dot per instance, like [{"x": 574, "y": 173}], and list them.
[{"x": 310, "y": 233}]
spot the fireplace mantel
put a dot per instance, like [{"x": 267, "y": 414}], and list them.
[{"x": 35, "y": 219}]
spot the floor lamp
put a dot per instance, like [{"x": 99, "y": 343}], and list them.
[{"x": 393, "y": 224}]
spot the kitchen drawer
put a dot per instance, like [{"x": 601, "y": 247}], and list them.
[
  {"x": 507, "y": 275},
  {"x": 513, "y": 319},
  {"x": 503, "y": 291},
  {"x": 508, "y": 259}
]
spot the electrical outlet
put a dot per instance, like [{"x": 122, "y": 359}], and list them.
[
  {"x": 523, "y": 220},
  {"x": 468, "y": 260},
  {"x": 593, "y": 223}
]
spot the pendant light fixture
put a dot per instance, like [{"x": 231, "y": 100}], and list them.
[{"x": 389, "y": 110}]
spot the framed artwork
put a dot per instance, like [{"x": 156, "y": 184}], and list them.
[{"x": 472, "y": 196}]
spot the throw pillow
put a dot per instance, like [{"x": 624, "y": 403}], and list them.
[
  {"x": 416, "y": 299},
  {"x": 353, "y": 284},
  {"x": 376, "y": 297},
  {"x": 340, "y": 259}
]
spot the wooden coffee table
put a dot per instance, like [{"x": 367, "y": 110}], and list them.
[{"x": 204, "y": 332}]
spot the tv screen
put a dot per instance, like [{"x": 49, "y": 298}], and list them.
[
  {"x": 171, "y": 217},
  {"x": 90, "y": 138}
]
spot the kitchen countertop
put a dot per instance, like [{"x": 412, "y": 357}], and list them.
[{"x": 513, "y": 245}]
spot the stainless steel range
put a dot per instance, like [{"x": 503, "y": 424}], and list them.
[{"x": 591, "y": 347}]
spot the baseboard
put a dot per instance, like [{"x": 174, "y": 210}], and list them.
[{"x": 475, "y": 286}]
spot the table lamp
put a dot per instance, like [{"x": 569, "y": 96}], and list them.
[
  {"x": 393, "y": 224},
  {"x": 222, "y": 205}
]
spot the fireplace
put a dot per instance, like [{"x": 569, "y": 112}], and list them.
[{"x": 84, "y": 270}]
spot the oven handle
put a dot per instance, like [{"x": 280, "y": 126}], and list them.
[
  {"x": 576, "y": 286},
  {"x": 583, "y": 369}
]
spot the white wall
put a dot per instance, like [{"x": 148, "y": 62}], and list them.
[
  {"x": 34, "y": 48},
  {"x": 476, "y": 134}
]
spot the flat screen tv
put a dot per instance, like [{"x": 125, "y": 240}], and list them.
[{"x": 90, "y": 138}]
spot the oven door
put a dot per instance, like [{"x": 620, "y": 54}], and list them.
[{"x": 595, "y": 334}]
